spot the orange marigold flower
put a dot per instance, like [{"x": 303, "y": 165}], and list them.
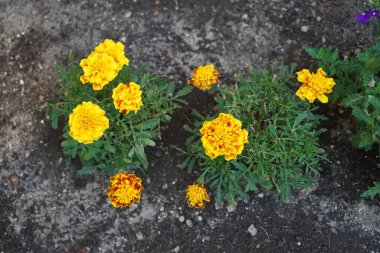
[
  {"x": 223, "y": 136},
  {"x": 127, "y": 97},
  {"x": 204, "y": 77},
  {"x": 87, "y": 122},
  {"x": 103, "y": 64},
  {"x": 196, "y": 194},
  {"x": 125, "y": 189},
  {"x": 314, "y": 85}
]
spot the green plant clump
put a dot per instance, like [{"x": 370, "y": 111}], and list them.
[
  {"x": 357, "y": 89},
  {"x": 282, "y": 152},
  {"x": 122, "y": 146}
]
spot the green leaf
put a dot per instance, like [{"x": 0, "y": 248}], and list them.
[
  {"x": 148, "y": 142},
  {"x": 361, "y": 115},
  {"x": 53, "y": 116},
  {"x": 184, "y": 91},
  {"x": 170, "y": 88},
  {"x": 86, "y": 170},
  {"x": 150, "y": 123},
  {"x": 372, "y": 191}
]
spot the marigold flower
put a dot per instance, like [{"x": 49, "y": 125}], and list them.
[
  {"x": 87, "y": 123},
  {"x": 127, "y": 97},
  {"x": 223, "y": 136},
  {"x": 103, "y": 64},
  {"x": 204, "y": 77},
  {"x": 125, "y": 189},
  {"x": 196, "y": 194},
  {"x": 115, "y": 50},
  {"x": 314, "y": 85}
]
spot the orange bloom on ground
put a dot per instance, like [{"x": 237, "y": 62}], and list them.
[
  {"x": 125, "y": 189},
  {"x": 196, "y": 195},
  {"x": 314, "y": 85},
  {"x": 127, "y": 97},
  {"x": 204, "y": 77},
  {"x": 223, "y": 136}
]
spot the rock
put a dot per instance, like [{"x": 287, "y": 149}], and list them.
[
  {"x": 231, "y": 208},
  {"x": 260, "y": 195},
  {"x": 176, "y": 249},
  {"x": 164, "y": 186},
  {"x": 14, "y": 180},
  {"x": 199, "y": 218},
  {"x": 305, "y": 28},
  {"x": 140, "y": 236},
  {"x": 189, "y": 223},
  {"x": 252, "y": 230},
  {"x": 181, "y": 219}
]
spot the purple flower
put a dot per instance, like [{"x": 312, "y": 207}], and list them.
[{"x": 365, "y": 16}]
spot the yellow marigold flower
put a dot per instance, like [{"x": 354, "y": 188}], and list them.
[
  {"x": 99, "y": 69},
  {"x": 196, "y": 194},
  {"x": 115, "y": 50},
  {"x": 125, "y": 189},
  {"x": 87, "y": 123},
  {"x": 204, "y": 77},
  {"x": 314, "y": 85},
  {"x": 103, "y": 64},
  {"x": 223, "y": 136},
  {"x": 127, "y": 97}
]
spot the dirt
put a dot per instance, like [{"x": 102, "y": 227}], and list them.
[{"x": 48, "y": 207}]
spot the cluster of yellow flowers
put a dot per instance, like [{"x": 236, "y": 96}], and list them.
[
  {"x": 125, "y": 189},
  {"x": 223, "y": 136},
  {"x": 196, "y": 194},
  {"x": 88, "y": 121},
  {"x": 314, "y": 85},
  {"x": 103, "y": 64}
]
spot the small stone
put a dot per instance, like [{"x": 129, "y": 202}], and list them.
[
  {"x": 252, "y": 230},
  {"x": 199, "y": 218},
  {"x": 305, "y": 28},
  {"x": 299, "y": 243},
  {"x": 231, "y": 208},
  {"x": 164, "y": 186},
  {"x": 189, "y": 223},
  {"x": 244, "y": 17},
  {"x": 162, "y": 208},
  {"x": 260, "y": 195},
  {"x": 176, "y": 249},
  {"x": 128, "y": 14},
  {"x": 14, "y": 180},
  {"x": 22, "y": 82},
  {"x": 139, "y": 236},
  {"x": 181, "y": 219},
  {"x": 319, "y": 18}
]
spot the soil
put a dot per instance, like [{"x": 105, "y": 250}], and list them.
[{"x": 48, "y": 207}]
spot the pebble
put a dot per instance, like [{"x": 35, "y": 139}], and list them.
[
  {"x": 22, "y": 82},
  {"x": 299, "y": 243},
  {"x": 231, "y": 208},
  {"x": 176, "y": 249},
  {"x": 260, "y": 195},
  {"x": 139, "y": 236},
  {"x": 162, "y": 208},
  {"x": 128, "y": 14},
  {"x": 164, "y": 186},
  {"x": 189, "y": 223},
  {"x": 305, "y": 28},
  {"x": 181, "y": 219},
  {"x": 199, "y": 218},
  {"x": 14, "y": 180},
  {"x": 252, "y": 230}
]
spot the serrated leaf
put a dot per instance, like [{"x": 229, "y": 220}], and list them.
[
  {"x": 148, "y": 142},
  {"x": 184, "y": 91},
  {"x": 53, "y": 116}
]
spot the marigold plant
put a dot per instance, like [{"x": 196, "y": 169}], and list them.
[
  {"x": 109, "y": 123},
  {"x": 278, "y": 130},
  {"x": 204, "y": 77},
  {"x": 196, "y": 195},
  {"x": 125, "y": 190}
]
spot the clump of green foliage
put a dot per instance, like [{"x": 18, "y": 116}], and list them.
[
  {"x": 357, "y": 89},
  {"x": 282, "y": 152},
  {"x": 122, "y": 146}
]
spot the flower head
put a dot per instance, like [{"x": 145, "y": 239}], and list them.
[
  {"x": 314, "y": 85},
  {"x": 103, "y": 64},
  {"x": 125, "y": 189},
  {"x": 127, "y": 97},
  {"x": 204, "y": 77},
  {"x": 196, "y": 194},
  {"x": 365, "y": 16},
  {"x": 115, "y": 50},
  {"x": 223, "y": 136},
  {"x": 87, "y": 123}
]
